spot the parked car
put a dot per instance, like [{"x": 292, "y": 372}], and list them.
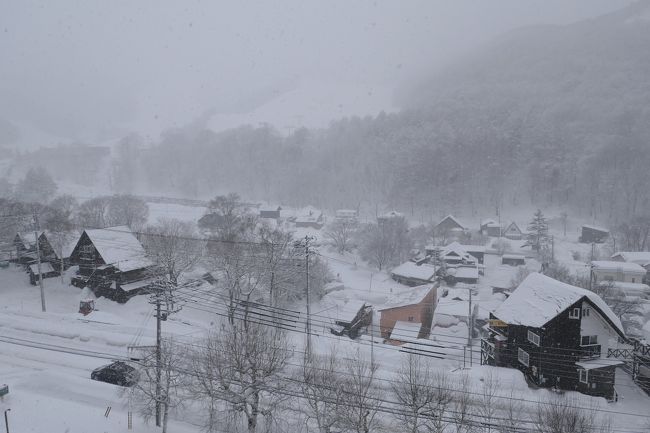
[{"x": 117, "y": 373}]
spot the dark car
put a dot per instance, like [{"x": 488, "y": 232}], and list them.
[{"x": 117, "y": 373}]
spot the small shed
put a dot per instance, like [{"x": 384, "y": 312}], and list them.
[
  {"x": 412, "y": 274},
  {"x": 314, "y": 219},
  {"x": 625, "y": 272},
  {"x": 476, "y": 251},
  {"x": 270, "y": 212},
  {"x": 513, "y": 232},
  {"x": 513, "y": 260},
  {"x": 593, "y": 234},
  {"x": 464, "y": 274},
  {"x": 47, "y": 271},
  {"x": 349, "y": 215}
]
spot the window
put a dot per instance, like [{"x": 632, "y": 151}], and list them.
[
  {"x": 588, "y": 340},
  {"x": 533, "y": 338},
  {"x": 523, "y": 357},
  {"x": 574, "y": 314},
  {"x": 634, "y": 280},
  {"x": 410, "y": 318},
  {"x": 584, "y": 376},
  {"x": 586, "y": 312}
]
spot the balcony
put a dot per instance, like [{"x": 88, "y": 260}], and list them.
[{"x": 590, "y": 352}]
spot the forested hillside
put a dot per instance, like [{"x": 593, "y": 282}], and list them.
[{"x": 542, "y": 116}]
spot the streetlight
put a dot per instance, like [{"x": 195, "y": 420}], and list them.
[{"x": 7, "y": 420}]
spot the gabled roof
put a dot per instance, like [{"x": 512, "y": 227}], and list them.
[
  {"x": 639, "y": 257},
  {"x": 608, "y": 265},
  {"x": 514, "y": 226},
  {"x": 28, "y": 239},
  {"x": 489, "y": 222},
  {"x": 596, "y": 228},
  {"x": 411, "y": 296},
  {"x": 457, "y": 249},
  {"x": 454, "y": 219},
  {"x": 70, "y": 242},
  {"x": 46, "y": 268},
  {"x": 424, "y": 272},
  {"x": 119, "y": 247},
  {"x": 539, "y": 299}
]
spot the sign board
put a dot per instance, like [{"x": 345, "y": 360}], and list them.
[{"x": 496, "y": 323}]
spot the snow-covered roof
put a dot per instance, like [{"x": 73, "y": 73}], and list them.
[
  {"x": 513, "y": 224},
  {"x": 514, "y": 256},
  {"x": 457, "y": 249},
  {"x": 70, "y": 240},
  {"x": 628, "y": 288},
  {"x": 405, "y": 331},
  {"x": 539, "y": 299},
  {"x": 607, "y": 265},
  {"x": 119, "y": 247},
  {"x": 391, "y": 214},
  {"x": 639, "y": 257},
  {"x": 424, "y": 272},
  {"x": 473, "y": 248},
  {"x": 454, "y": 219},
  {"x": 46, "y": 268},
  {"x": 464, "y": 272},
  {"x": 489, "y": 222},
  {"x": 410, "y": 296},
  {"x": 28, "y": 239},
  {"x": 592, "y": 227},
  {"x": 137, "y": 285},
  {"x": 598, "y": 363}
]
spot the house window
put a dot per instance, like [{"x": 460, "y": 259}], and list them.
[
  {"x": 588, "y": 340},
  {"x": 86, "y": 249},
  {"x": 586, "y": 312},
  {"x": 634, "y": 280},
  {"x": 523, "y": 357},
  {"x": 574, "y": 313},
  {"x": 533, "y": 338},
  {"x": 410, "y": 318},
  {"x": 584, "y": 376}
]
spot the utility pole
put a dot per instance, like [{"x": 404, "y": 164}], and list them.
[
  {"x": 7, "y": 420},
  {"x": 158, "y": 359},
  {"x": 470, "y": 320},
  {"x": 37, "y": 228},
  {"x": 307, "y": 252}
]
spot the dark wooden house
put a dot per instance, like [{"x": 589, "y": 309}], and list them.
[
  {"x": 56, "y": 248},
  {"x": 512, "y": 231},
  {"x": 47, "y": 271},
  {"x": 513, "y": 260},
  {"x": 592, "y": 234},
  {"x": 450, "y": 224},
  {"x": 491, "y": 228},
  {"x": 113, "y": 263},
  {"x": 25, "y": 245},
  {"x": 558, "y": 335},
  {"x": 270, "y": 213}
]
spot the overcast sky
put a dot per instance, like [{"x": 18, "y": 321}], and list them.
[{"x": 95, "y": 70}]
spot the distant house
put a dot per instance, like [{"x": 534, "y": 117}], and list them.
[
  {"x": 491, "y": 228},
  {"x": 513, "y": 260},
  {"x": 270, "y": 212},
  {"x": 546, "y": 319},
  {"x": 57, "y": 248},
  {"x": 641, "y": 258},
  {"x": 389, "y": 217},
  {"x": 47, "y": 271},
  {"x": 113, "y": 263},
  {"x": 450, "y": 224},
  {"x": 412, "y": 274},
  {"x": 455, "y": 254},
  {"x": 593, "y": 234},
  {"x": 623, "y": 272},
  {"x": 476, "y": 251},
  {"x": 464, "y": 274},
  {"x": 513, "y": 232},
  {"x": 25, "y": 245},
  {"x": 454, "y": 307},
  {"x": 314, "y": 219},
  {"x": 414, "y": 305},
  {"x": 346, "y": 215}
]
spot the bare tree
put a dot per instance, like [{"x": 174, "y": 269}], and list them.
[
  {"x": 385, "y": 244},
  {"x": 562, "y": 415},
  {"x": 362, "y": 396},
  {"x": 341, "y": 233},
  {"x": 487, "y": 401},
  {"x": 241, "y": 366},
  {"x": 36, "y": 187},
  {"x": 323, "y": 391},
  {"x": 620, "y": 304},
  {"x": 92, "y": 213},
  {"x": 414, "y": 389},
  {"x": 442, "y": 399},
  {"x": 172, "y": 245},
  {"x": 146, "y": 394},
  {"x": 462, "y": 406},
  {"x": 127, "y": 210},
  {"x": 511, "y": 420}
]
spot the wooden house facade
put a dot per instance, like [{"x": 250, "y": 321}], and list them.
[
  {"x": 556, "y": 334},
  {"x": 593, "y": 234},
  {"x": 113, "y": 263}
]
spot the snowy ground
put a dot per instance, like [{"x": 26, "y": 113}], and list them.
[{"x": 52, "y": 391}]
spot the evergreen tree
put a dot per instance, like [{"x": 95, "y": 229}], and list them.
[{"x": 538, "y": 237}]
